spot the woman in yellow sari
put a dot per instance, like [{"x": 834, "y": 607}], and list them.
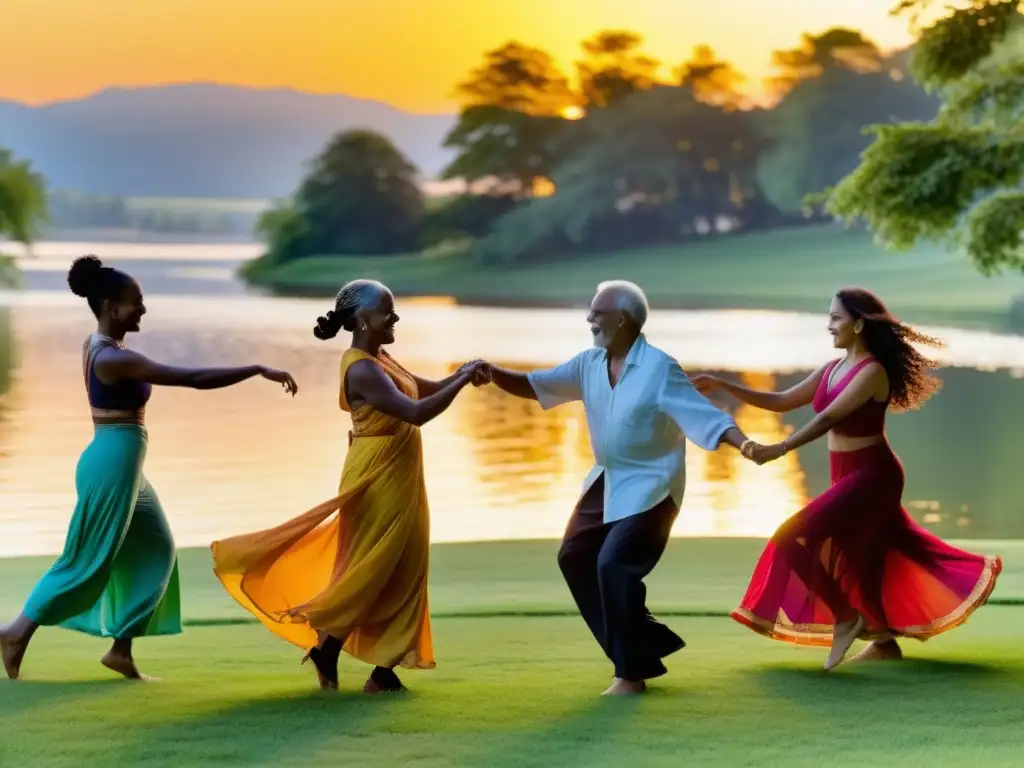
[{"x": 351, "y": 573}]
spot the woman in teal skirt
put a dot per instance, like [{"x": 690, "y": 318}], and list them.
[{"x": 118, "y": 574}]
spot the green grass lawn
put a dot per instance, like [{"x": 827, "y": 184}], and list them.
[
  {"x": 795, "y": 269},
  {"x": 698, "y": 577},
  {"x": 520, "y": 690}
]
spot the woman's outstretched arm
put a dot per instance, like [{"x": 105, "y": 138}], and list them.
[
  {"x": 366, "y": 382},
  {"x": 113, "y": 365},
  {"x": 795, "y": 397},
  {"x": 870, "y": 383},
  {"x": 427, "y": 387}
]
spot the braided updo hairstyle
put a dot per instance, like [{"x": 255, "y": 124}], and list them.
[
  {"x": 96, "y": 283},
  {"x": 355, "y": 296}
]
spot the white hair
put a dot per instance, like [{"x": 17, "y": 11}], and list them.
[
  {"x": 358, "y": 296},
  {"x": 629, "y": 298}
]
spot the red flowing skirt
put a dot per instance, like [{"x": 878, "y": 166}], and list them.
[{"x": 854, "y": 549}]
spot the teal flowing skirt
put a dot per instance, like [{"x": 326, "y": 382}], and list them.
[{"x": 118, "y": 574}]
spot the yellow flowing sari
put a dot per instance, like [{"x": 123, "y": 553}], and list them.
[{"x": 354, "y": 567}]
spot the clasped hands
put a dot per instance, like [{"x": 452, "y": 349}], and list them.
[
  {"x": 479, "y": 372},
  {"x": 757, "y": 453},
  {"x": 762, "y": 454}
]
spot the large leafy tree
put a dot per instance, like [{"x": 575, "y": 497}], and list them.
[
  {"x": 359, "y": 196},
  {"x": 836, "y": 48},
  {"x": 712, "y": 80},
  {"x": 22, "y": 207},
  {"x": 22, "y": 199},
  {"x": 816, "y": 133},
  {"x": 519, "y": 78},
  {"x": 959, "y": 177},
  {"x": 512, "y": 106},
  {"x": 614, "y": 68},
  {"x": 645, "y": 169},
  {"x": 465, "y": 217}
]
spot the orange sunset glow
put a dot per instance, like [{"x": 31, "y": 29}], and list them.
[{"x": 406, "y": 52}]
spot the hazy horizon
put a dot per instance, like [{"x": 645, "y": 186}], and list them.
[
  {"x": 453, "y": 112},
  {"x": 404, "y": 54}
]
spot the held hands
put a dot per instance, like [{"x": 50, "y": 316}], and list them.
[
  {"x": 478, "y": 372},
  {"x": 281, "y": 377},
  {"x": 762, "y": 454},
  {"x": 482, "y": 376}
]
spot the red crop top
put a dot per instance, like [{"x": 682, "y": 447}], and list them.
[{"x": 866, "y": 421}]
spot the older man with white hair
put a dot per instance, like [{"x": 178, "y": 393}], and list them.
[{"x": 640, "y": 408}]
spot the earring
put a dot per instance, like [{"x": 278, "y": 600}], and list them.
[{"x": 363, "y": 329}]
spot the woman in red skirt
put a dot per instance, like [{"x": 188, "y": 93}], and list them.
[{"x": 852, "y": 563}]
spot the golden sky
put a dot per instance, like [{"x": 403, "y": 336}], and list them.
[{"x": 406, "y": 52}]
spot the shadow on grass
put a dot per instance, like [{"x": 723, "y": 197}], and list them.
[
  {"x": 956, "y": 669},
  {"x": 403, "y": 728},
  {"x": 585, "y": 735},
  {"x": 924, "y": 680},
  {"x": 58, "y": 687},
  {"x": 865, "y": 673},
  {"x": 246, "y": 730},
  {"x": 24, "y": 699}
]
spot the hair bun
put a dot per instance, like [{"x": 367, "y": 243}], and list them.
[{"x": 84, "y": 275}]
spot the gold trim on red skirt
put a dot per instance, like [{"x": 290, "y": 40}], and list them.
[{"x": 821, "y": 634}]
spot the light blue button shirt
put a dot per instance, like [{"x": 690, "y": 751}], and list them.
[{"x": 639, "y": 428}]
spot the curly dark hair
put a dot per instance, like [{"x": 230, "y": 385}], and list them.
[
  {"x": 890, "y": 342},
  {"x": 96, "y": 283}
]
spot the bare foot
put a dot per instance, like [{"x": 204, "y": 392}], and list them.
[
  {"x": 842, "y": 639},
  {"x": 125, "y": 665},
  {"x": 13, "y": 652},
  {"x": 620, "y": 687},
  {"x": 885, "y": 650}
]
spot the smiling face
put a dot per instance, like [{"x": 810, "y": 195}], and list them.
[
  {"x": 842, "y": 326},
  {"x": 606, "y": 320},
  {"x": 126, "y": 311},
  {"x": 380, "y": 320}
]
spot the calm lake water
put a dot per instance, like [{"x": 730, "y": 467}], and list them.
[{"x": 248, "y": 457}]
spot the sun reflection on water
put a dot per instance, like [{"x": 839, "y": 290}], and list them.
[{"x": 497, "y": 467}]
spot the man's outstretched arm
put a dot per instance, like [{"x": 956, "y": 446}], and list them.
[
  {"x": 734, "y": 436},
  {"x": 515, "y": 383},
  {"x": 549, "y": 387},
  {"x": 703, "y": 423}
]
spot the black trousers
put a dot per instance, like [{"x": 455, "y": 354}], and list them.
[{"x": 604, "y": 565}]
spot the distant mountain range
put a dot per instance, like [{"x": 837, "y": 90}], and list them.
[{"x": 202, "y": 140}]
